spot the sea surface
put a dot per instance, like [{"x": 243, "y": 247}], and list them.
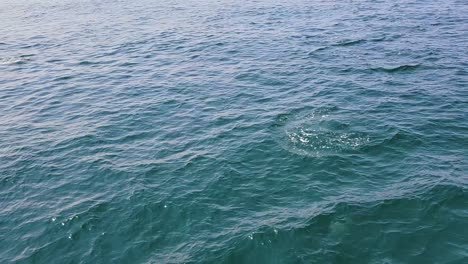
[{"x": 234, "y": 131}]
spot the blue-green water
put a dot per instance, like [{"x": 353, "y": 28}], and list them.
[{"x": 233, "y": 131}]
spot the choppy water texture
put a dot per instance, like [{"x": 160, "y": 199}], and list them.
[{"x": 233, "y": 131}]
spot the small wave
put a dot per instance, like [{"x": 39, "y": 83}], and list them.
[
  {"x": 398, "y": 69},
  {"x": 385, "y": 38},
  {"x": 398, "y": 138},
  {"x": 346, "y": 43},
  {"x": 259, "y": 78},
  {"x": 384, "y": 223},
  {"x": 63, "y": 78},
  {"x": 87, "y": 62},
  {"x": 379, "y": 39},
  {"x": 317, "y": 50},
  {"x": 26, "y": 55},
  {"x": 14, "y": 60}
]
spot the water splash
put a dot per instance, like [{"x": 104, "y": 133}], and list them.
[{"x": 322, "y": 132}]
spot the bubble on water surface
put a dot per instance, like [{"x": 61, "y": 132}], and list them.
[{"x": 324, "y": 131}]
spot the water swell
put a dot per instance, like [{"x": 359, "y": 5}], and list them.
[
  {"x": 398, "y": 69},
  {"x": 328, "y": 235},
  {"x": 347, "y": 43}
]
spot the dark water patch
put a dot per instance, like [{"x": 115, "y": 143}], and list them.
[
  {"x": 402, "y": 69},
  {"x": 380, "y": 39},
  {"x": 396, "y": 140},
  {"x": 330, "y": 235},
  {"x": 92, "y": 63},
  {"x": 259, "y": 78},
  {"x": 408, "y": 68},
  {"x": 86, "y": 63},
  {"x": 232, "y": 51},
  {"x": 55, "y": 60},
  {"x": 63, "y": 78},
  {"x": 461, "y": 72},
  {"x": 347, "y": 43},
  {"x": 128, "y": 64}
]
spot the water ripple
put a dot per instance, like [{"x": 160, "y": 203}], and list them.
[{"x": 233, "y": 131}]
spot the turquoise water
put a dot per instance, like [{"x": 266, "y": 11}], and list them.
[{"x": 233, "y": 131}]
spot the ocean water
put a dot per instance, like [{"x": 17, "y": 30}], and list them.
[{"x": 233, "y": 131}]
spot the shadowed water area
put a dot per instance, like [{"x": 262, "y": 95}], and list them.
[{"x": 233, "y": 131}]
